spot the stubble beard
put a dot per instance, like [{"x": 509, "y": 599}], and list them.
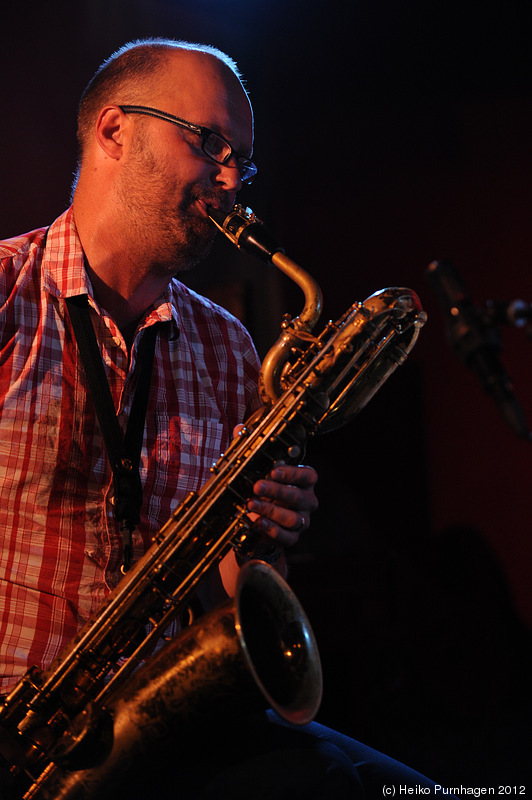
[
  {"x": 194, "y": 234},
  {"x": 168, "y": 239}
]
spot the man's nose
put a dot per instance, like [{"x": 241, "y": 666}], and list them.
[{"x": 229, "y": 175}]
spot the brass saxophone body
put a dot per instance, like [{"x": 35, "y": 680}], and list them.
[{"x": 72, "y": 730}]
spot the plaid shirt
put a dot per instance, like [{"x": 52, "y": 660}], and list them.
[{"x": 61, "y": 549}]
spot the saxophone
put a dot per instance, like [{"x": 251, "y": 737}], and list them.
[{"x": 74, "y": 729}]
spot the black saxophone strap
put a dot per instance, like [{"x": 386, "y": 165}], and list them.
[{"x": 123, "y": 451}]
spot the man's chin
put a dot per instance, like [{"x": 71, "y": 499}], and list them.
[{"x": 193, "y": 251}]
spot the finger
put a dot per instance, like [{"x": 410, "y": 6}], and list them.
[
  {"x": 282, "y": 525},
  {"x": 287, "y": 495},
  {"x": 294, "y": 519},
  {"x": 301, "y": 475}
]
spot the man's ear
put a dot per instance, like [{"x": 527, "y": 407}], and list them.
[{"x": 110, "y": 131}]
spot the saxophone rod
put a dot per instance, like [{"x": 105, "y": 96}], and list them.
[{"x": 248, "y": 233}]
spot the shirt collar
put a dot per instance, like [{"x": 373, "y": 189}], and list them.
[
  {"x": 63, "y": 265},
  {"x": 64, "y": 272}
]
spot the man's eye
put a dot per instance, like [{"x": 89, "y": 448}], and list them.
[{"x": 216, "y": 146}]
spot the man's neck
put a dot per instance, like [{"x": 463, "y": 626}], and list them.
[
  {"x": 126, "y": 312},
  {"x": 123, "y": 283}
]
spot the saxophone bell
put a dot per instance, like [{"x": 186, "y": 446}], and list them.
[{"x": 255, "y": 651}]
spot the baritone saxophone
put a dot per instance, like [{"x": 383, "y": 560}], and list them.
[{"x": 73, "y": 730}]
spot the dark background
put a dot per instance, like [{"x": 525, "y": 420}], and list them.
[{"x": 388, "y": 134}]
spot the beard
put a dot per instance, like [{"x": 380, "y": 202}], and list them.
[{"x": 162, "y": 214}]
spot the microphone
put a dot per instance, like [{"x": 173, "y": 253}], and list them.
[
  {"x": 514, "y": 312},
  {"x": 476, "y": 341}
]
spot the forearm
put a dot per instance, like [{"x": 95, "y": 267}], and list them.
[{"x": 229, "y": 569}]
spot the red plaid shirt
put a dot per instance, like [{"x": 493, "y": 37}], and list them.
[{"x": 60, "y": 547}]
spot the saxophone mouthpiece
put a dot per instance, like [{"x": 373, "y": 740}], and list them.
[
  {"x": 217, "y": 216},
  {"x": 246, "y": 231}
]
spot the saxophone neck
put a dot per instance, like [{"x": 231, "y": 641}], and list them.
[
  {"x": 313, "y": 296},
  {"x": 245, "y": 230},
  {"x": 293, "y": 329}
]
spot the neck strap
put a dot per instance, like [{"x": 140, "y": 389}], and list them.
[{"x": 123, "y": 451}]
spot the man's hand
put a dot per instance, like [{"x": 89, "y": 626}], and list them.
[
  {"x": 284, "y": 501},
  {"x": 281, "y": 508}
]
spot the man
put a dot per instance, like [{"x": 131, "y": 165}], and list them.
[{"x": 165, "y": 130}]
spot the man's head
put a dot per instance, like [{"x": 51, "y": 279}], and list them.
[
  {"x": 161, "y": 173},
  {"x": 136, "y": 70}
]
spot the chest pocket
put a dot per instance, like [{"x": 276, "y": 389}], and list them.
[{"x": 185, "y": 451}]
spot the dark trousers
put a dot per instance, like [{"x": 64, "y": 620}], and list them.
[{"x": 263, "y": 758}]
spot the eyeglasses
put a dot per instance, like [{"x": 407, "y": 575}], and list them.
[{"x": 212, "y": 144}]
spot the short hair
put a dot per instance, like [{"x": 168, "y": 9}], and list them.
[{"x": 128, "y": 69}]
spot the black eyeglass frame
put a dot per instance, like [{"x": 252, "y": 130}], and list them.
[{"x": 246, "y": 167}]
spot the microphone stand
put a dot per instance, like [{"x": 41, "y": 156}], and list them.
[{"x": 474, "y": 335}]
